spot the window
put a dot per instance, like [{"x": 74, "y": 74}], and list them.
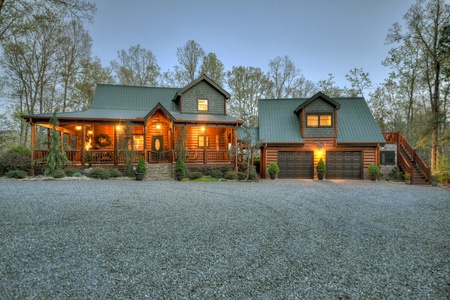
[
  {"x": 202, "y": 104},
  {"x": 138, "y": 142},
  {"x": 319, "y": 120},
  {"x": 201, "y": 141},
  {"x": 387, "y": 157}
]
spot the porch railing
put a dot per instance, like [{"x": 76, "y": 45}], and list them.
[
  {"x": 107, "y": 157},
  {"x": 160, "y": 156}
]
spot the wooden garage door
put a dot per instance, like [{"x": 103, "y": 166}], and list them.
[
  {"x": 296, "y": 164},
  {"x": 344, "y": 164}
]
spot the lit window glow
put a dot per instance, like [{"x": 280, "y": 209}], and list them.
[{"x": 202, "y": 104}]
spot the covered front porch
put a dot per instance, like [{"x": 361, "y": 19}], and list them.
[{"x": 96, "y": 143}]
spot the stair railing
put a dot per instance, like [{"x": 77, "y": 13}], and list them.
[{"x": 415, "y": 157}]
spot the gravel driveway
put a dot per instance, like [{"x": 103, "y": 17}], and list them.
[{"x": 282, "y": 239}]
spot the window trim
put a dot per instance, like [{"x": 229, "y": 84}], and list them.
[
  {"x": 318, "y": 120},
  {"x": 207, "y": 105}
]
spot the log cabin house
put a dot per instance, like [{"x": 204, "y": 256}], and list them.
[
  {"x": 295, "y": 133},
  {"x": 157, "y": 116}
]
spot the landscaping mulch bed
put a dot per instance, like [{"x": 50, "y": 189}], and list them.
[{"x": 273, "y": 239}]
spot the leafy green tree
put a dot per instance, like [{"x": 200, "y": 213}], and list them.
[
  {"x": 213, "y": 68},
  {"x": 137, "y": 66},
  {"x": 426, "y": 23},
  {"x": 247, "y": 85},
  {"x": 328, "y": 87},
  {"x": 359, "y": 81},
  {"x": 56, "y": 157},
  {"x": 190, "y": 59},
  {"x": 91, "y": 73}
]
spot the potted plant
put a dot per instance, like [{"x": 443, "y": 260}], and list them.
[
  {"x": 180, "y": 169},
  {"x": 321, "y": 169},
  {"x": 273, "y": 170},
  {"x": 140, "y": 169},
  {"x": 373, "y": 171},
  {"x": 407, "y": 178}
]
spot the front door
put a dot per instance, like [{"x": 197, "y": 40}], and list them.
[
  {"x": 157, "y": 143},
  {"x": 157, "y": 148}
]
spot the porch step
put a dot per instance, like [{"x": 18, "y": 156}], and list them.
[{"x": 160, "y": 171}]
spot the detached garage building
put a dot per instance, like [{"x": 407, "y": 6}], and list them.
[{"x": 296, "y": 133}]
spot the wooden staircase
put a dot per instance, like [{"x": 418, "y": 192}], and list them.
[{"x": 409, "y": 160}]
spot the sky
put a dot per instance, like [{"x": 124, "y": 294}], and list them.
[{"x": 320, "y": 36}]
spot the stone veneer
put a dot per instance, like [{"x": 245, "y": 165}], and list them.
[
  {"x": 386, "y": 169},
  {"x": 160, "y": 171}
]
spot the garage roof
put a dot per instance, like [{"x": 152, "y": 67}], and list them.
[{"x": 278, "y": 122}]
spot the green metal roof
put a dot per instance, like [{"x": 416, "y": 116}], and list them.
[
  {"x": 356, "y": 123},
  {"x": 279, "y": 124},
  {"x": 133, "y": 97},
  {"x": 120, "y": 102}
]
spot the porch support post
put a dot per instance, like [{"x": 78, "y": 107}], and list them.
[
  {"x": 116, "y": 155},
  {"x": 61, "y": 136},
  {"x": 145, "y": 142},
  {"x": 83, "y": 141},
  {"x": 235, "y": 145},
  {"x": 33, "y": 141},
  {"x": 205, "y": 145}
]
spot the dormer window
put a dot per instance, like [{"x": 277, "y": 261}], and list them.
[
  {"x": 202, "y": 104},
  {"x": 319, "y": 120}
]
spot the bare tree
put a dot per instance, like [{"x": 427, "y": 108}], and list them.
[{"x": 286, "y": 77}]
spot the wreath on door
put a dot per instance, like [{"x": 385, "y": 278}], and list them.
[{"x": 103, "y": 140}]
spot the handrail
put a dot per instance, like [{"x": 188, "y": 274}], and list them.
[
  {"x": 391, "y": 137},
  {"x": 403, "y": 142}
]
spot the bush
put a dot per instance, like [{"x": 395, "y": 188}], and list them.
[
  {"x": 58, "y": 173},
  {"x": 10, "y": 161},
  {"x": 252, "y": 176},
  {"x": 216, "y": 174},
  {"x": 373, "y": 169},
  {"x": 18, "y": 174},
  {"x": 241, "y": 176},
  {"x": 20, "y": 150},
  {"x": 243, "y": 166},
  {"x": 114, "y": 173},
  {"x": 273, "y": 168},
  {"x": 195, "y": 175},
  {"x": 321, "y": 168},
  {"x": 100, "y": 173},
  {"x": 141, "y": 167},
  {"x": 70, "y": 171},
  {"x": 231, "y": 175}
]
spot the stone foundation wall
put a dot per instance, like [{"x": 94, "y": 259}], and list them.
[
  {"x": 160, "y": 171},
  {"x": 386, "y": 169}
]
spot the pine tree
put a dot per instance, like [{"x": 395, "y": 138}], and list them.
[{"x": 56, "y": 157}]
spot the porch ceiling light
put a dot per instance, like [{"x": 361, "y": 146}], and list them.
[
  {"x": 78, "y": 127},
  {"x": 118, "y": 127},
  {"x": 203, "y": 128}
]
